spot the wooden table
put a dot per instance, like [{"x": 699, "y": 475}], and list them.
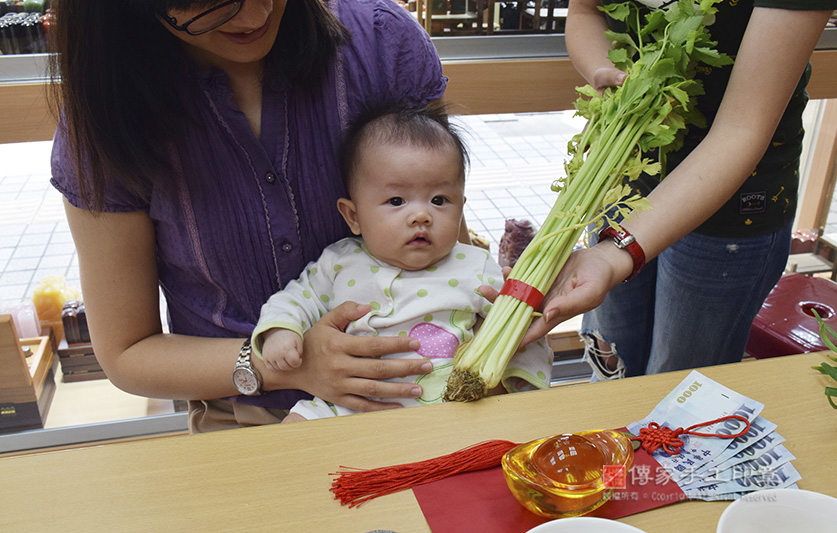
[{"x": 276, "y": 478}]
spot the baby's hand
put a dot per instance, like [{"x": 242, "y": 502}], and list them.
[{"x": 282, "y": 349}]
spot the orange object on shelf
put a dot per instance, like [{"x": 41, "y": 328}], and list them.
[{"x": 49, "y": 298}]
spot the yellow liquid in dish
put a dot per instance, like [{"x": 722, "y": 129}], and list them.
[{"x": 562, "y": 475}]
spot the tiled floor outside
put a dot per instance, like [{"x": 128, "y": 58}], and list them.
[
  {"x": 34, "y": 238},
  {"x": 514, "y": 160}
]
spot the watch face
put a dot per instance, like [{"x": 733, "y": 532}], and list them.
[{"x": 245, "y": 381}]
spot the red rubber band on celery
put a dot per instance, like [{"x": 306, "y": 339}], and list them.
[{"x": 523, "y": 292}]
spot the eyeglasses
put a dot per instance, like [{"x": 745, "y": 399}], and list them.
[{"x": 208, "y": 20}]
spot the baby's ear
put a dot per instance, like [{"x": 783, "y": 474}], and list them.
[{"x": 347, "y": 209}]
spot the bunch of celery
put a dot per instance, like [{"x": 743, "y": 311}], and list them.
[{"x": 649, "y": 111}]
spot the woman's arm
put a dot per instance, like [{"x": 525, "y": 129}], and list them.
[
  {"x": 773, "y": 54},
  {"x": 117, "y": 263},
  {"x": 587, "y": 45}
]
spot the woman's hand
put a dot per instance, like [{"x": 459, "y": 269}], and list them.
[
  {"x": 345, "y": 369},
  {"x": 605, "y": 77},
  {"x": 580, "y": 286}
]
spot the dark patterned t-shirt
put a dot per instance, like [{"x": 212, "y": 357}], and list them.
[{"x": 767, "y": 200}]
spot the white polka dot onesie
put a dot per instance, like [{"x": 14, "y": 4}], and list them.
[{"x": 438, "y": 306}]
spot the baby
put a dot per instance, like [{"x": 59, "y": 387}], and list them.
[{"x": 404, "y": 171}]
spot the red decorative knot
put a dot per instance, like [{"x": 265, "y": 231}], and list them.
[
  {"x": 655, "y": 436},
  {"x": 523, "y": 292}
]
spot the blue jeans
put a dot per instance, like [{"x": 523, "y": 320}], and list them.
[{"x": 693, "y": 305}]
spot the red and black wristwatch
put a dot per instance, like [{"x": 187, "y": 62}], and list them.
[{"x": 625, "y": 241}]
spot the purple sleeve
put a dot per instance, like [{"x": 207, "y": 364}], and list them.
[
  {"x": 390, "y": 56},
  {"x": 65, "y": 178},
  {"x": 408, "y": 56}
]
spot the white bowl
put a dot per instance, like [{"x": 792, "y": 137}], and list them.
[
  {"x": 780, "y": 510},
  {"x": 584, "y": 524}
]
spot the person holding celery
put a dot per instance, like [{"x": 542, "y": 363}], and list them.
[{"x": 717, "y": 236}]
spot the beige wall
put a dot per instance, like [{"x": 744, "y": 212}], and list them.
[{"x": 476, "y": 87}]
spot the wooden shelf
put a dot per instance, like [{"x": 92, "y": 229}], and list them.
[{"x": 26, "y": 387}]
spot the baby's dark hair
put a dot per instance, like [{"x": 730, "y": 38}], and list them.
[{"x": 426, "y": 126}]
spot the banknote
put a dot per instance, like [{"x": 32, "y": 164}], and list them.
[
  {"x": 765, "y": 463},
  {"x": 748, "y": 447},
  {"x": 759, "y": 429},
  {"x": 781, "y": 477},
  {"x": 756, "y": 450},
  {"x": 698, "y": 399},
  {"x": 735, "y": 495}
]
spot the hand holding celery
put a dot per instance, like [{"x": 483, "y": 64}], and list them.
[{"x": 649, "y": 111}]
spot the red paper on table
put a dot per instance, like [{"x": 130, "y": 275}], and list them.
[{"x": 481, "y": 500}]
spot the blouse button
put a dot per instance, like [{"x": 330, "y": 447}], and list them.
[
  {"x": 287, "y": 247},
  {"x": 270, "y": 177}
]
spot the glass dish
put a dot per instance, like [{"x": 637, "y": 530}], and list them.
[{"x": 565, "y": 475}]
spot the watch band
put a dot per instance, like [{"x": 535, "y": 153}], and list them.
[
  {"x": 244, "y": 354},
  {"x": 625, "y": 241},
  {"x": 243, "y": 369}
]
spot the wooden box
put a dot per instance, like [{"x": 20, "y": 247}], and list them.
[{"x": 27, "y": 384}]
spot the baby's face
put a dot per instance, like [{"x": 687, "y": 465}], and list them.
[{"x": 408, "y": 204}]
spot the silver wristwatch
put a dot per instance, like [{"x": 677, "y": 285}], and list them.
[{"x": 245, "y": 378}]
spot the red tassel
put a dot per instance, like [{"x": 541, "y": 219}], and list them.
[{"x": 356, "y": 486}]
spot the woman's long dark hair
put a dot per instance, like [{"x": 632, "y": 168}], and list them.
[{"x": 112, "y": 76}]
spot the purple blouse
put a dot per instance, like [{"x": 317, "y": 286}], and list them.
[{"x": 244, "y": 215}]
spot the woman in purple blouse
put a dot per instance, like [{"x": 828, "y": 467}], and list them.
[{"x": 197, "y": 153}]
